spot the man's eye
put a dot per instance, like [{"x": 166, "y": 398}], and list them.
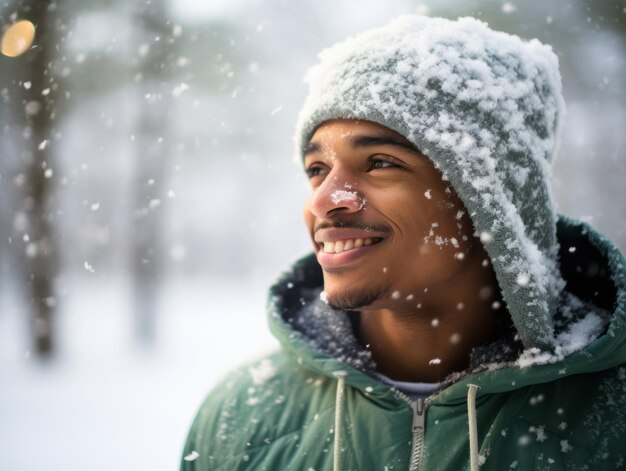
[
  {"x": 380, "y": 163},
  {"x": 313, "y": 171}
]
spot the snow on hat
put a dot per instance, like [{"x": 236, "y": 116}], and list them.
[{"x": 486, "y": 108}]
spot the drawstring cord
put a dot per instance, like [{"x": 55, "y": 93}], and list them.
[
  {"x": 471, "y": 419},
  {"x": 341, "y": 385}
]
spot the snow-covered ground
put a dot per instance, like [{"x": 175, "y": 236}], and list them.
[{"x": 105, "y": 403}]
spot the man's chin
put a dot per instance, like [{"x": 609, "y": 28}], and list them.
[{"x": 354, "y": 300}]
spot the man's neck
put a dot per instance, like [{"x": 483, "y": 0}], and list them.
[{"x": 427, "y": 343}]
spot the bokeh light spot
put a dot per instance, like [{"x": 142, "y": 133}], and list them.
[{"x": 18, "y": 38}]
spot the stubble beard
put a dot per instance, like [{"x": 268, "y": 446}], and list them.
[{"x": 357, "y": 299}]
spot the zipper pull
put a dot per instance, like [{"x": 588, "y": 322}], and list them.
[{"x": 419, "y": 417}]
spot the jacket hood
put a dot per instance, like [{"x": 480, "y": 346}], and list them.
[{"x": 590, "y": 324}]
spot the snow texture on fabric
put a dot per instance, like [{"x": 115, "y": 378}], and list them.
[
  {"x": 486, "y": 108},
  {"x": 331, "y": 332}
]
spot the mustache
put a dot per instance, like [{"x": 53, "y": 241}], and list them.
[{"x": 346, "y": 223}]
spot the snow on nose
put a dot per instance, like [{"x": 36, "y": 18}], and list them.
[{"x": 343, "y": 196}]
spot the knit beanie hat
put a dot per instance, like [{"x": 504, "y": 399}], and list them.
[{"x": 486, "y": 108}]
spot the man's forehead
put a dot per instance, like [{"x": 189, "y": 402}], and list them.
[{"x": 356, "y": 134}]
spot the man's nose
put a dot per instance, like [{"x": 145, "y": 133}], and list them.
[{"x": 336, "y": 194}]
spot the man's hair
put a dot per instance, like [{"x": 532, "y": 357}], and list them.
[{"x": 486, "y": 108}]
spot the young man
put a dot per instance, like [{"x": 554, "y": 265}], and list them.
[{"x": 448, "y": 318}]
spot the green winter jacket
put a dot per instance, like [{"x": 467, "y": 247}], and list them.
[{"x": 560, "y": 411}]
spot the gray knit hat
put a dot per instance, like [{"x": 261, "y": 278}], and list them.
[{"x": 486, "y": 108}]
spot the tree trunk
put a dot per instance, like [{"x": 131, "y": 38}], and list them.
[{"x": 39, "y": 89}]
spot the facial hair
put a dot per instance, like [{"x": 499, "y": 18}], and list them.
[{"x": 356, "y": 299}]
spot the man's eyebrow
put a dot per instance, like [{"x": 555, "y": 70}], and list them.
[
  {"x": 359, "y": 142},
  {"x": 365, "y": 141},
  {"x": 310, "y": 148}
]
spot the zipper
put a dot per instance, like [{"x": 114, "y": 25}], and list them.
[{"x": 418, "y": 428}]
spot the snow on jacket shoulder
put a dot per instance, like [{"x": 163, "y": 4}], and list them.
[{"x": 553, "y": 411}]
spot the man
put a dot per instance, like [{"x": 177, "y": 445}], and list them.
[{"x": 448, "y": 319}]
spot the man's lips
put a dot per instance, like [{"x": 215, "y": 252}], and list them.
[
  {"x": 339, "y": 246},
  {"x": 330, "y": 261}
]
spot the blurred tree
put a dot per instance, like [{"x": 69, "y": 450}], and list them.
[{"x": 35, "y": 88}]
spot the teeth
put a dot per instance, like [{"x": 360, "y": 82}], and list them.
[{"x": 343, "y": 245}]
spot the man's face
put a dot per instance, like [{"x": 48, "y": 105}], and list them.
[{"x": 385, "y": 226}]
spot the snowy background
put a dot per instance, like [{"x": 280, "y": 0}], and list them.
[{"x": 172, "y": 199}]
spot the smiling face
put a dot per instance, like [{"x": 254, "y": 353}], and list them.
[{"x": 386, "y": 227}]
